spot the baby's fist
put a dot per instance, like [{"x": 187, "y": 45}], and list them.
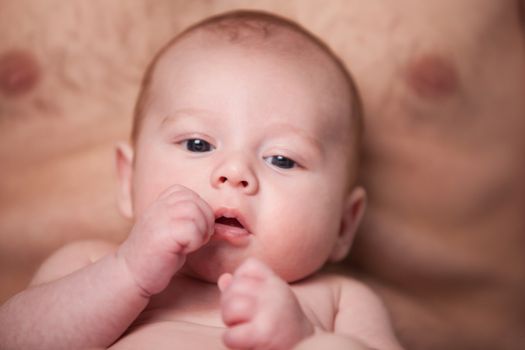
[
  {"x": 260, "y": 310},
  {"x": 176, "y": 223}
]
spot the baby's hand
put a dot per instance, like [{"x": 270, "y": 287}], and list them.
[
  {"x": 260, "y": 310},
  {"x": 176, "y": 223}
]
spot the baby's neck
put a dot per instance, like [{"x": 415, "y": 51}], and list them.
[{"x": 189, "y": 292}]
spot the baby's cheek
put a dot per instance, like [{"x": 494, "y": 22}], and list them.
[{"x": 298, "y": 255}]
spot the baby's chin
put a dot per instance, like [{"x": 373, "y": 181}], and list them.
[
  {"x": 208, "y": 271},
  {"x": 201, "y": 277}
]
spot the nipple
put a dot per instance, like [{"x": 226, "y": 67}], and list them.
[
  {"x": 19, "y": 73},
  {"x": 431, "y": 76}
]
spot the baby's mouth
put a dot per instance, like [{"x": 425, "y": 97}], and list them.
[
  {"x": 229, "y": 227},
  {"x": 228, "y": 222}
]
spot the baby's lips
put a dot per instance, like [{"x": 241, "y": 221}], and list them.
[
  {"x": 235, "y": 235},
  {"x": 232, "y": 217}
]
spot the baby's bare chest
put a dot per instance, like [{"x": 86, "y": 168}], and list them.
[
  {"x": 171, "y": 334},
  {"x": 184, "y": 316}
]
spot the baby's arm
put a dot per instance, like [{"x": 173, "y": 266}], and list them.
[
  {"x": 92, "y": 306},
  {"x": 361, "y": 322},
  {"x": 88, "y": 307}
]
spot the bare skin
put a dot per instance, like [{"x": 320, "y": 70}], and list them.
[{"x": 443, "y": 236}]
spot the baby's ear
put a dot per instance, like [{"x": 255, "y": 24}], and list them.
[
  {"x": 124, "y": 165},
  {"x": 353, "y": 213}
]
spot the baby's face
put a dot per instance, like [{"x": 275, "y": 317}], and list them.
[{"x": 261, "y": 137}]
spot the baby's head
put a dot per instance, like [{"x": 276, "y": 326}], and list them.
[{"x": 263, "y": 121}]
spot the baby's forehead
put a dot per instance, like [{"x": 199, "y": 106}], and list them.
[
  {"x": 295, "y": 58},
  {"x": 262, "y": 37}
]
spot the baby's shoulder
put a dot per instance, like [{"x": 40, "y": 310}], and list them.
[
  {"x": 71, "y": 257},
  {"x": 359, "y": 311},
  {"x": 338, "y": 288},
  {"x": 336, "y": 282},
  {"x": 342, "y": 290}
]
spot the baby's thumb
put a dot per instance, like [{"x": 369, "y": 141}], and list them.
[{"x": 224, "y": 281}]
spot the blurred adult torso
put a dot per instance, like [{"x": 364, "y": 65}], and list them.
[
  {"x": 444, "y": 165},
  {"x": 442, "y": 84}
]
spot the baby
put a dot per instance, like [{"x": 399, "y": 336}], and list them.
[{"x": 241, "y": 180}]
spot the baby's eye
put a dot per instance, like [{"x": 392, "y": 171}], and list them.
[
  {"x": 197, "y": 145},
  {"x": 281, "y": 162}
]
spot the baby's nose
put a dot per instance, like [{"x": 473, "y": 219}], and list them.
[{"x": 235, "y": 174}]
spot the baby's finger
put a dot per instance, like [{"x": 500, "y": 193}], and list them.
[
  {"x": 237, "y": 309},
  {"x": 242, "y": 285},
  {"x": 240, "y": 337},
  {"x": 175, "y": 190},
  {"x": 224, "y": 281},
  {"x": 188, "y": 210},
  {"x": 177, "y": 193},
  {"x": 208, "y": 214},
  {"x": 187, "y": 237}
]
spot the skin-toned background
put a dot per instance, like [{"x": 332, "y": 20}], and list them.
[{"x": 442, "y": 83}]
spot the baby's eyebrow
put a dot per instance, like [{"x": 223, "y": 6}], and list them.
[
  {"x": 186, "y": 113},
  {"x": 286, "y": 129}
]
